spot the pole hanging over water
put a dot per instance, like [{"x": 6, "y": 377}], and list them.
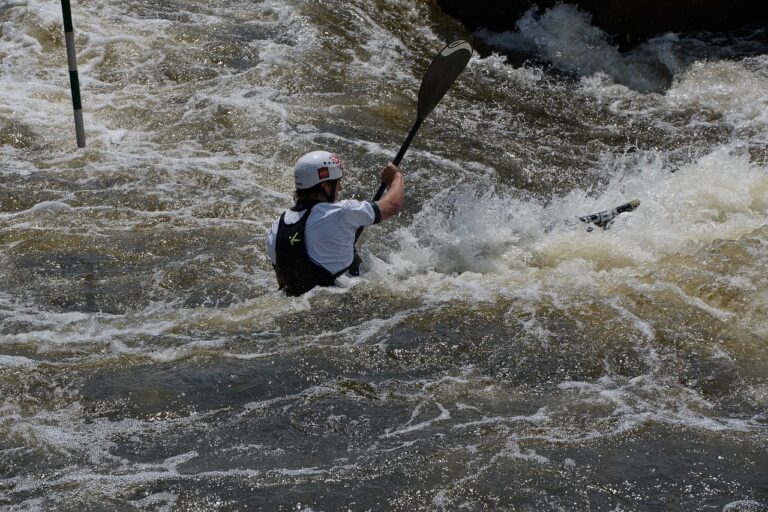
[{"x": 74, "y": 81}]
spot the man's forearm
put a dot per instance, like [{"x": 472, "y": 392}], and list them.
[{"x": 392, "y": 201}]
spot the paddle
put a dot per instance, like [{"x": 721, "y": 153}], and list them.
[
  {"x": 605, "y": 218},
  {"x": 441, "y": 73}
]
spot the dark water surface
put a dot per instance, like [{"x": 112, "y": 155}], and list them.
[{"x": 494, "y": 356}]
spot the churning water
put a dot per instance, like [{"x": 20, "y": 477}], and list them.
[{"x": 495, "y": 355}]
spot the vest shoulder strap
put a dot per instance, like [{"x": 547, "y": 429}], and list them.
[{"x": 296, "y": 272}]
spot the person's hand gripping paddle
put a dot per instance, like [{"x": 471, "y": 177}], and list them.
[{"x": 441, "y": 73}]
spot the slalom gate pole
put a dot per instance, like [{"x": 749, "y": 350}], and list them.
[{"x": 74, "y": 81}]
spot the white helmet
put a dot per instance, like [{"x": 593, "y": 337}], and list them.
[{"x": 316, "y": 167}]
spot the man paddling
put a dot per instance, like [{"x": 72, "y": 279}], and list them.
[{"x": 313, "y": 243}]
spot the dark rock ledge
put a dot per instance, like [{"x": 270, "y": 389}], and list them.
[{"x": 628, "y": 21}]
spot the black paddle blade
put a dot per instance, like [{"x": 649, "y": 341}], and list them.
[{"x": 441, "y": 73}]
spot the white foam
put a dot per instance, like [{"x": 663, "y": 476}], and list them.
[
  {"x": 17, "y": 362},
  {"x": 471, "y": 242},
  {"x": 412, "y": 427},
  {"x": 564, "y": 36},
  {"x": 744, "y": 506},
  {"x": 725, "y": 88},
  {"x": 644, "y": 398}
]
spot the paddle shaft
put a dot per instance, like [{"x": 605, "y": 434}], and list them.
[
  {"x": 400, "y": 155},
  {"x": 74, "y": 81},
  {"x": 439, "y": 76}
]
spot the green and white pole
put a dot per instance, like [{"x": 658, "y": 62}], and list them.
[{"x": 74, "y": 81}]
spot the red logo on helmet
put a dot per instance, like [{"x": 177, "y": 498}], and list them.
[
  {"x": 337, "y": 161},
  {"x": 323, "y": 173}
]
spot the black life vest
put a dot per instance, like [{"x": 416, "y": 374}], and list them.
[{"x": 296, "y": 273}]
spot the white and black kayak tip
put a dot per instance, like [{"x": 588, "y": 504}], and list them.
[{"x": 605, "y": 218}]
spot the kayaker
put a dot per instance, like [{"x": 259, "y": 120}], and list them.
[{"x": 313, "y": 243}]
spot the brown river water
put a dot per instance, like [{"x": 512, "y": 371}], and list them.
[{"x": 494, "y": 355}]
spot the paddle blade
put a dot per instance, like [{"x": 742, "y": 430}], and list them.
[
  {"x": 605, "y": 218},
  {"x": 441, "y": 73}
]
